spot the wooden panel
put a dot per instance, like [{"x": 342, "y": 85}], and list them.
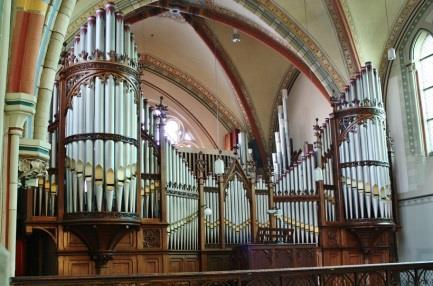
[
  {"x": 124, "y": 265},
  {"x": 331, "y": 237},
  {"x": 331, "y": 257},
  {"x": 151, "y": 264},
  {"x": 191, "y": 264},
  {"x": 349, "y": 239},
  {"x": 127, "y": 242},
  {"x": 305, "y": 257},
  {"x": 76, "y": 265},
  {"x": 73, "y": 242},
  {"x": 175, "y": 265},
  {"x": 352, "y": 257},
  {"x": 183, "y": 263},
  {"x": 265, "y": 256},
  {"x": 218, "y": 262},
  {"x": 283, "y": 258},
  {"x": 379, "y": 256},
  {"x": 258, "y": 258},
  {"x": 383, "y": 240}
]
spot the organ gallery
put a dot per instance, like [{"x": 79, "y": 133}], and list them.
[{"x": 258, "y": 154}]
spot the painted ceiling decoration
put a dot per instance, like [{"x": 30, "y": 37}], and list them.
[
  {"x": 297, "y": 39},
  {"x": 243, "y": 98},
  {"x": 193, "y": 87},
  {"x": 344, "y": 35},
  {"x": 276, "y": 29},
  {"x": 297, "y": 46}
]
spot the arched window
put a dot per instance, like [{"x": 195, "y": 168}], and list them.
[
  {"x": 177, "y": 133},
  {"x": 423, "y": 57}
]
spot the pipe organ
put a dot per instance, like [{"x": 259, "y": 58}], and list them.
[
  {"x": 363, "y": 152},
  {"x": 182, "y": 201},
  {"x": 118, "y": 192},
  {"x": 237, "y": 213},
  {"x": 101, "y": 118},
  {"x": 150, "y": 164}
]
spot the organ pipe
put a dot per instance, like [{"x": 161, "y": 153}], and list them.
[
  {"x": 363, "y": 150},
  {"x": 100, "y": 129}
]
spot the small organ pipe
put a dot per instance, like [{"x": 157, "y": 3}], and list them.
[
  {"x": 91, "y": 36},
  {"x": 100, "y": 31},
  {"x": 110, "y": 32}
]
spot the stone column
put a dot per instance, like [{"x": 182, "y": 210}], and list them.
[
  {"x": 4, "y": 262},
  {"x": 4, "y": 55},
  {"x": 19, "y": 106}
]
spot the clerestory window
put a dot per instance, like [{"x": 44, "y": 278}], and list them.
[{"x": 423, "y": 58}]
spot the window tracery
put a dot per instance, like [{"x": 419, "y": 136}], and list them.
[
  {"x": 177, "y": 133},
  {"x": 423, "y": 58}
]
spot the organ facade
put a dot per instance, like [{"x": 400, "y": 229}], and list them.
[{"x": 120, "y": 198}]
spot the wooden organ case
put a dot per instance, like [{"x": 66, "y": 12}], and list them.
[{"x": 121, "y": 199}]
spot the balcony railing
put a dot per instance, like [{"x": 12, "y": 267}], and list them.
[{"x": 392, "y": 274}]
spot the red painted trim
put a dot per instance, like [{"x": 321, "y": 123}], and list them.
[
  {"x": 26, "y": 38},
  {"x": 254, "y": 32},
  {"x": 236, "y": 84}
]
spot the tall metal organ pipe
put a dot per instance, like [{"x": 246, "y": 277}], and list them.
[
  {"x": 363, "y": 148},
  {"x": 101, "y": 120}
]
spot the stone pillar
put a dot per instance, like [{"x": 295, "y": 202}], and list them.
[
  {"x": 4, "y": 55},
  {"x": 19, "y": 106},
  {"x": 4, "y": 269}
]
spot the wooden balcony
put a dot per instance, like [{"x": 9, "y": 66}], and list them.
[{"x": 416, "y": 274}]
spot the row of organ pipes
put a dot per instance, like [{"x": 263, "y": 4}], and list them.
[
  {"x": 359, "y": 123},
  {"x": 324, "y": 142},
  {"x": 363, "y": 152},
  {"x": 134, "y": 162},
  {"x": 105, "y": 36},
  {"x": 101, "y": 132},
  {"x": 295, "y": 190},
  {"x": 102, "y": 164}
]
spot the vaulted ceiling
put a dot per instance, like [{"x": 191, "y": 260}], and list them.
[{"x": 190, "y": 52}]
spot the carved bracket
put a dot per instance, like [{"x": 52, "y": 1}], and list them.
[
  {"x": 101, "y": 232},
  {"x": 367, "y": 232}
]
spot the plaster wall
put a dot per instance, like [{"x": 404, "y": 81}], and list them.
[
  {"x": 305, "y": 104},
  {"x": 413, "y": 177}
]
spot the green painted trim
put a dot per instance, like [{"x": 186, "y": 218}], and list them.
[
  {"x": 20, "y": 102},
  {"x": 35, "y": 149}
]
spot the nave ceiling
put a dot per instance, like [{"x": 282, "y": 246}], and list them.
[{"x": 325, "y": 39}]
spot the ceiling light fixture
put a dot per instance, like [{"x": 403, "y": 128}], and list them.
[
  {"x": 391, "y": 51},
  {"x": 175, "y": 11},
  {"x": 236, "y": 37},
  {"x": 218, "y": 163}
]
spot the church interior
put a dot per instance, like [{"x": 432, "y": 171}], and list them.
[{"x": 243, "y": 142}]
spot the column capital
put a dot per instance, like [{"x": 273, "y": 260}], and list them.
[
  {"x": 32, "y": 168},
  {"x": 19, "y": 106}
]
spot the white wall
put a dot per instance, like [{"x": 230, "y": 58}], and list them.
[
  {"x": 413, "y": 179},
  {"x": 306, "y": 103}
]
